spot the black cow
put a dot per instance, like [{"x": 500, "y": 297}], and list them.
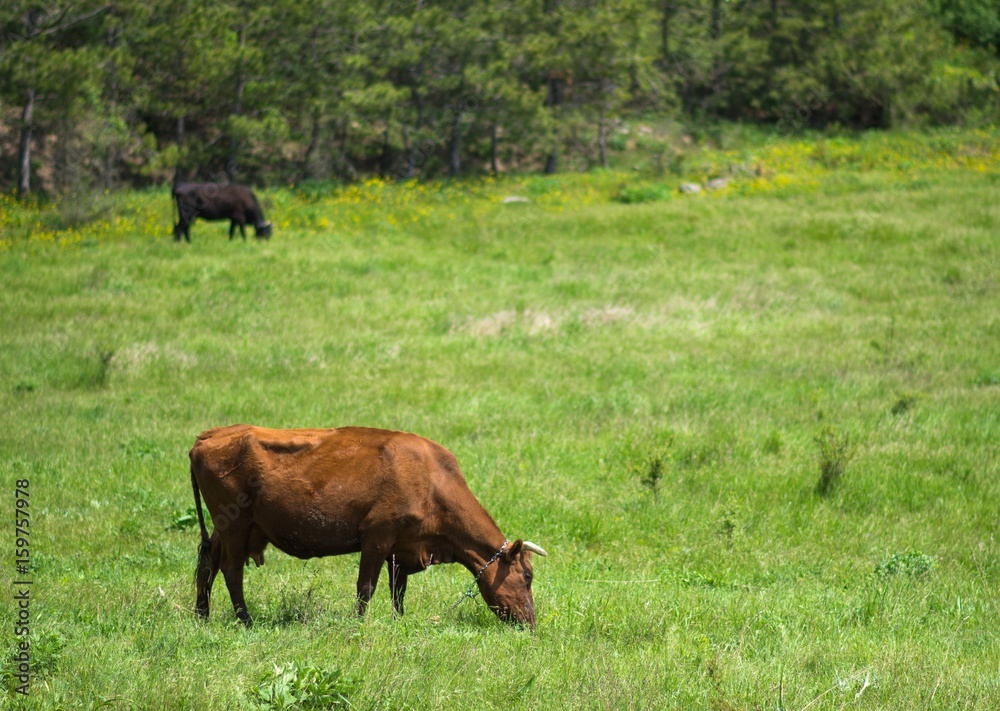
[{"x": 211, "y": 201}]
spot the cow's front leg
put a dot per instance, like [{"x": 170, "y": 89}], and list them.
[
  {"x": 232, "y": 229},
  {"x": 372, "y": 556}
]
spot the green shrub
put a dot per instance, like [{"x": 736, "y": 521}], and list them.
[
  {"x": 913, "y": 564},
  {"x": 650, "y": 192},
  {"x": 292, "y": 686}
]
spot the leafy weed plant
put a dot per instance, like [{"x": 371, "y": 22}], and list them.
[
  {"x": 913, "y": 564},
  {"x": 305, "y": 687}
]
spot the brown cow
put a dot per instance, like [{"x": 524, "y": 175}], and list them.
[{"x": 394, "y": 497}]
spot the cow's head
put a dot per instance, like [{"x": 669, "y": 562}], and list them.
[
  {"x": 506, "y": 585},
  {"x": 264, "y": 229}
]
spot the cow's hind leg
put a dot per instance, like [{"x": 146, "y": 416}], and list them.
[
  {"x": 232, "y": 570},
  {"x": 397, "y": 584},
  {"x": 209, "y": 556}
]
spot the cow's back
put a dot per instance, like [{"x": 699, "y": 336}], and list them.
[
  {"x": 239, "y": 452},
  {"x": 212, "y": 201},
  {"x": 313, "y": 491}
]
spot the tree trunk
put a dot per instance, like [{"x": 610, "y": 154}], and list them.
[
  {"x": 716, "y": 27},
  {"x": 552, "y": 163},
  {"x": 553, "y": 100},
  {"x": 24, "y": 148},
  {"x": 385, "y": 160},
  {"x": 668, "y": 12},
  {"x": 454, "y": 162},
  {"x": 179, "y": 69},
  {"x": 345, "y": 171},
  {"x": 602, "y": 144},
  {"x": 405, "y": 168},
  {"x": 311, "y": 148},
  {"x": 716, "y": 31},
  {"x": 111, "y": 84},
  {"x": 493, "y": 150},
  {"x": 232, "y": 165}
]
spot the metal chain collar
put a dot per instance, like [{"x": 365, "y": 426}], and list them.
[{"x": 473, "y": 589}]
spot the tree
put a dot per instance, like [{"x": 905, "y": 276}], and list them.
[
  {"x": 975, "y": 21},
  {"x": 45, "y": 62},
  {"x": 606, "y": 46},
  {"x": 176, "y": 46}
]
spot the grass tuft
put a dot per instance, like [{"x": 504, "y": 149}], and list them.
[
  {"x": 97, "y": 370},
  {"x": 835, "y": 451},
  {"x": 773, "y": 443},
  {"x": 651, "y": 472},
  {"x": 904, "y": 404}
]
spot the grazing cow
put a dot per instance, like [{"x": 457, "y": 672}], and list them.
[
  {"x": 210, "y": 201},
  {"x": 394, "y": 497}
]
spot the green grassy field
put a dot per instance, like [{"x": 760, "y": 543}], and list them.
[{"x": 757, "y": 431}]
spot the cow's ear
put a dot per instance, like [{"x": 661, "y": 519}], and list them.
[{"x": 513, "y": 550}]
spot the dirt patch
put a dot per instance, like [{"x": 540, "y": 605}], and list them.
[
  {"x": 535, "y": 322},
  {"x": 606, "y": 315},
  {"x": 138, "y": 356}
]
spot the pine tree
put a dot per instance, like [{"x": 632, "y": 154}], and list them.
[{"x": 47, "y": 68}]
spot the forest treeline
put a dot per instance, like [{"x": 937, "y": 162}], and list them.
[{"x": 98, "y": 93}]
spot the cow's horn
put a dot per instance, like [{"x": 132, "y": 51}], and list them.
[{"x": 534, "y": 548}]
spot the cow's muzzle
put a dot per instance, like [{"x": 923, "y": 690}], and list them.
[{"x": 520, "y": 617}]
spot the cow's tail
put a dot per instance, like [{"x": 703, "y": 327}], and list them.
[
  {"x": 197, "y": 506},
  {"x": 203, "y": 573}
]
